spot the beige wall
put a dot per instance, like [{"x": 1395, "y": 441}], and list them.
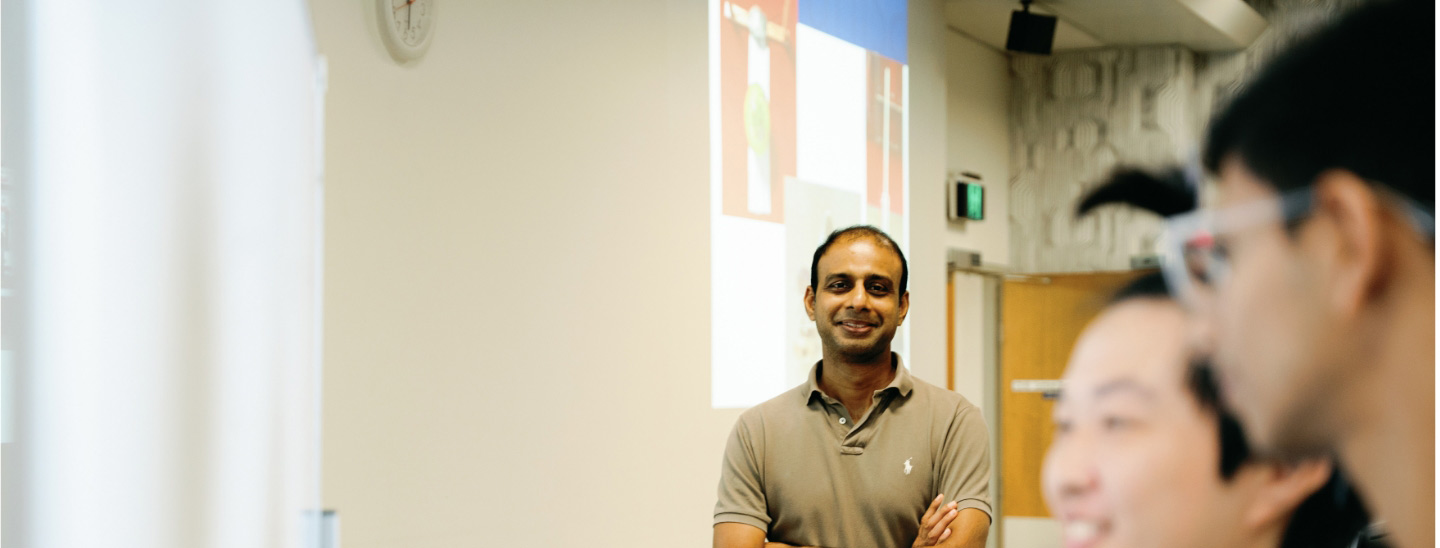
[
  {"x": 978, "y": 80},
  {"x": 517, "y": 271},
  {"x": 927, "y": 165}
]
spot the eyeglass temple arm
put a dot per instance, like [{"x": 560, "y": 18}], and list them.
[{"x": 1298, "y": 205}]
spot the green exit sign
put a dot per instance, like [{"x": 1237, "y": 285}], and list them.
[
  {"x": 970, "y": 200},
  {"x": 975, "y": 201}
]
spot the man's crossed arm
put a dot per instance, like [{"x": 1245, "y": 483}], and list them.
[{"x": 941, "y": 526}]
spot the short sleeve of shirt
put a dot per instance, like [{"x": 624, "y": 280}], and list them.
[
  {"x": 742, "y": 491},
  {"x": 964, "y": 460}
]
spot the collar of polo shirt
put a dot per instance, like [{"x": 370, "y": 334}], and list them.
[{"x": 902, "y": 383}]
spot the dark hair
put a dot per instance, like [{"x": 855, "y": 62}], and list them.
[
  {"x": 1357, "y": 95},
  {"x": 1332, "y": 516},
  {"x": 1164, "y": 194},
  {"x": 859, "y": 231},
  {"x": 1149, "y": 286}
]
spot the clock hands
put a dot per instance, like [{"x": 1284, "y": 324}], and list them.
[
  {"x": 405, "y": 37},
  {"x": 407, "y": 12}
]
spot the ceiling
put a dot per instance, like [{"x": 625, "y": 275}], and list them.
[{"x": 1201, "y": 25}]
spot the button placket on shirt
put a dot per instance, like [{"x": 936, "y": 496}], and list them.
[
  {"x": 836, "y": 416},
  {"x": 853, "y": 441},
  {"x": 842, "y": 423}
]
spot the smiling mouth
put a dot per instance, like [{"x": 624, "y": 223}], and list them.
[
  {"x": 1081, "y": 534},
  {"x": 855, "y": 327}
]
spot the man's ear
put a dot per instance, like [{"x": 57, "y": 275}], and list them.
[
  {"x": 1354, "y": 214},
  {"x": 810, "y": 302},
  {"x": 904, "y": 308},
  {"x": 1283, "y": 487}
]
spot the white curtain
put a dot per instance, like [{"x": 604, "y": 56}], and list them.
[{"x": 163, "y": 232}]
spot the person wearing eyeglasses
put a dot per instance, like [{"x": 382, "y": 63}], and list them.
[
  {"x": 1145, "y": 454},
  {"x": 1312, "y": 278}
]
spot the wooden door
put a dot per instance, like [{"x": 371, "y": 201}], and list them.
[{"x": 1041, "y": 316}]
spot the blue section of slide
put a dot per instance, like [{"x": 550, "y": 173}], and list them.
[{"x": 876, "y": 25}]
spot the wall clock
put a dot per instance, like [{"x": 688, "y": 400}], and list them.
[{"x": 406, "y": 27}]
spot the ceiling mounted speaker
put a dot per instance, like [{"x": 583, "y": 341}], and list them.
[{"x": 1030, "y": 32}]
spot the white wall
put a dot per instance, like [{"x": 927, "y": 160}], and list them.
[
  {"x": 978, "y": 133},
  {"x": 160, "y": 294},
  {"x": 978, "y": 139},
  {"x": 977, "y": 99},
  {"x": 517, "y": 273},
  {"x": 927, "y": 166}
]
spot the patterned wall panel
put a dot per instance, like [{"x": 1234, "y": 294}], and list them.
[{"x": 1075, "y": 116}]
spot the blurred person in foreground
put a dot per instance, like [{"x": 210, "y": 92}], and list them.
[
  {"x": 1312, "y": 278},
  {"x": 1145, "y": 456},
  {"x": 1144, "y": 453}
]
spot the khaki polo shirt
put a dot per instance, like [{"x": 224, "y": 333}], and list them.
[{"x": 800, "y": 468}]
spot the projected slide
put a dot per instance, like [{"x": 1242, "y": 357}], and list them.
[{"x": 808, "y": 125}]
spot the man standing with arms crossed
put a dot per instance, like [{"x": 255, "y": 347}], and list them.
[
  {"x": 1314, "y": 278},
  {"x": 863, "y": 454}
]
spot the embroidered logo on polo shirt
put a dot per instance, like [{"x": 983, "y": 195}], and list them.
[{"x": 907, "y": 465}]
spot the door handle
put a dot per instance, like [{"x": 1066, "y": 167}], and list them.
[{"x": 1047, "y": 388}]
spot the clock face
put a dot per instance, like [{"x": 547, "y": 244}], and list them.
[{"x": 406, "y": 26}]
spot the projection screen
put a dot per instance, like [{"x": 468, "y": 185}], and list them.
[{"x": 808, "y": 133}]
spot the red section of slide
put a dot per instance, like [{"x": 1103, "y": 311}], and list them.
[
  {"x": 734, "y": 85},
  {"x": 879, "y": 142}
]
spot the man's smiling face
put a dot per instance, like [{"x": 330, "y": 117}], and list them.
[{"x": 857, "y": 305}]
